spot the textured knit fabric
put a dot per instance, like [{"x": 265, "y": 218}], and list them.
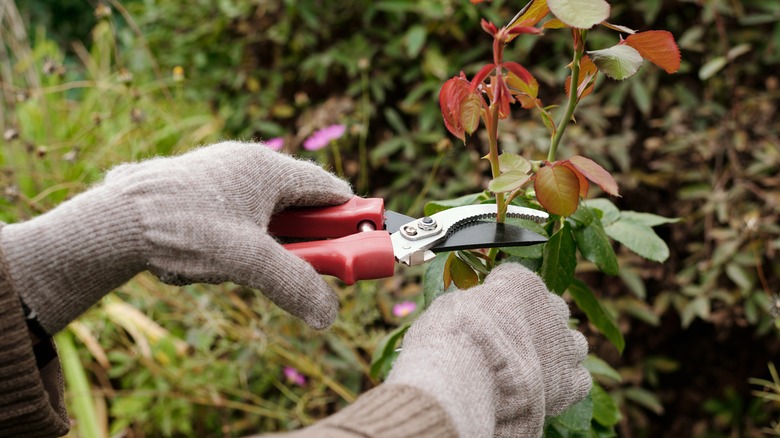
[
  {"x": 31, "y": 403},
  {"x": 199, "y": 217},
  {"x": 388, "y": 411},
  {"x": 498, "y": 357}
]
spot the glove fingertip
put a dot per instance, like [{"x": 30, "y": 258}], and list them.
[
  {"x": 323, "y": 318},
  {"x": 339, "y": 189},
  {"x": 581, "y": 346},
  {"x": 583, "y": 383},
  {"x": 296, "y": 287},
  {"x": 320, "y": 309}
]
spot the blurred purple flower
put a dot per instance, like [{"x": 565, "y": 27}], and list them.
[
  {"x": 275, "y": 143},
  {"x": 404, "y": 308},
  {"x": 294, "y": 376},
  {"x": 322, "y": 137}
]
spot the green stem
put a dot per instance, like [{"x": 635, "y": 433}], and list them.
[
  {"x": 495, "y": 168},
  {"x": 337, "y": 158},
  {"x": 81, "y": 400},
  {"x": 493, "y": 158},
  {"x": 573, "y": 99},
  {"x": 362, "y": 184},
  {"x": 515, "y": 194}
]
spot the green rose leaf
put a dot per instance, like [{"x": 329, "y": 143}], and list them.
[
  {"x": 581, "y": 14},
  {"x": 609, "y": 213},
  {"x": 463, "y": 275},
  {"x": 385, "y": 354},
  {"x": 605, "y": 411},
  {"x": 647, "y": 219},
  {"x": 509, "y": 181},
  {"x": 639, "y": 238},
  {"x": 593, "y": 242},
  {"x": 618, "y": 62},
  {"x": 596, "y": 314},
  {"x": 560, "y": 259},
  {"x": 433, "y": 283},
  {"x": 577, "y": 417},
  {"x": 472, "y": 259},
  {"x": 508, "y": 162},
  {"x": 524, "y": 252}
]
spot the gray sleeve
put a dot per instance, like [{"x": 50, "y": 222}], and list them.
[
  {"x": 31, "y": 402},
  {"x": 387, "y": 411}
]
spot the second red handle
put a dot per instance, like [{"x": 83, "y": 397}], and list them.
[{"x": 362, "y": 256}]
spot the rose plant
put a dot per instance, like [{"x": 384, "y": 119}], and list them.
[{"x": 557, "y": 185}]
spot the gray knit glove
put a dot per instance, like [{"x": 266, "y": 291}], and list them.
[
  {"x": 498, "y": 357},
  {"x": 199, "y": 217}
]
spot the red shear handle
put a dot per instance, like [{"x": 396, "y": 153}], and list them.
[
  {"x": 328, "y": 222},
  {"x": 361, "y": 256}
]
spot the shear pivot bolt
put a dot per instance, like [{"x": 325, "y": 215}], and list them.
[{"x": 427, "y": 223}]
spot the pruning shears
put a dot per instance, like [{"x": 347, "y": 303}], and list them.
[{"x": 360, "y": 240}]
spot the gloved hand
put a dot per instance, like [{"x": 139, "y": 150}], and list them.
[
  {"x": 498, "y": 357},
  {"x": 198, "y": 217}
]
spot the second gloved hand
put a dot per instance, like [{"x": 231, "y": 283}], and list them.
[
  {"x": 199, "y": 217},
  {"x": 498, "y": 357}
]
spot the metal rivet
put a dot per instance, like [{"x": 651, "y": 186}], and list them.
[
  {"x": 366, "y": 226},
  {"x": 410, "y": 230},
  {"x": 427, "y": 223}
]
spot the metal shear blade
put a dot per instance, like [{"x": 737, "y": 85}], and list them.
[
  {"x": 484, "y": 234},
  {"x": 416, "y": 241}
]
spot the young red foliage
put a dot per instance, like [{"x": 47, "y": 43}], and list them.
[
  {"x": 488, "y": 27},
  {"x": 503, "y": 96},
  {"x": 658, "y": 47},
  {"x": 481, "y": 75},
  {"x": 518, "y": 30},
  {"x": 452, "y": 95},
  {"x": 554, "y": 24},
  {"x": 584, "y": 185},
  {"x": 557, "y": 189},
  {"x": 592, "y": 171},
  {"x": 529, "y": 19},
  {"x": 519, "y": 71},
  {"x": 525, "y": 91},
  {"x": 533, "y": 15},
  {"x": 560, "y": 185},
  {"x": 470, "y": 112}
]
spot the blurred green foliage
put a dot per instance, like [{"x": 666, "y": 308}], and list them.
[
  {"x": 83, "y": 92},
  {"x": 65, "y": 20}
]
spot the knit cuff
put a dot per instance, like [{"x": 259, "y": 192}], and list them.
[
  {"x": 396, "y": 411},
  {"x": 27, "y": 409},
  {"x": 64, "y": 261}
]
